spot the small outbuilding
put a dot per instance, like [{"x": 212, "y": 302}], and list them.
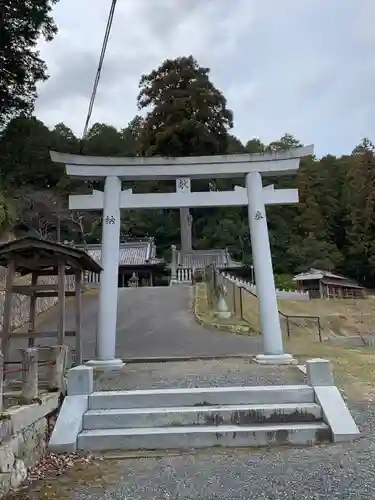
[
  {"x": 324, "y": 284},
  {"x": 37, "y": 257}
]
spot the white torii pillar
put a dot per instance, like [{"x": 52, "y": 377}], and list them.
[
  {"x": 108, "y": 294},
  {"x": 272, "y": 339}
]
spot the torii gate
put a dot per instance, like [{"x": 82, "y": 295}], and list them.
[{"x": 255, "y": 196}]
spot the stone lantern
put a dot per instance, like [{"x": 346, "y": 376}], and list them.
[{"x": 134, "y": 280}]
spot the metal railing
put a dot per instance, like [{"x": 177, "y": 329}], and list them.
[
  {"x": 289, "y": 319},
  {"x": 236, "y": 294}
]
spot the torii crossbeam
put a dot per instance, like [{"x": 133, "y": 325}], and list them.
[{"x": 130, "y": 201}]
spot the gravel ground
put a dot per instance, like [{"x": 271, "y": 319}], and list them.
[
  {"x": 201, "y": 373},
  {"x": 329, "y": 472},
  {"x": 334, "y": 472},
  {"x": 344, "y": 471}
]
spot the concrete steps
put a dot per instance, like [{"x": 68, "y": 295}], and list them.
[
  {"x": 201, "y": 418},
  {"x": 185, "y": 438},
  {"x": 183, "y": 419},
  {"x": 201, "y": 415}
]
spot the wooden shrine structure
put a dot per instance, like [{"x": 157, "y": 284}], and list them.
[{"x": 36, "y": 257}]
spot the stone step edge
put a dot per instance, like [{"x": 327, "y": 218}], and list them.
[
  {"x": 203, "y": 408},
  {"x": 206, "y": 396},
  {"x": 266, "y": 427},
  {"x": 245, "y": 414},
  {"x": 202, "y": 390}
]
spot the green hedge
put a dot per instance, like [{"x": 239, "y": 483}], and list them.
[{"x": 285, "y": 281}]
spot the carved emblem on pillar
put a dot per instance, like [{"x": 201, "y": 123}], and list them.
[
  {"x": 183, "y": 185},
  {"x": 110, "y": 220}
]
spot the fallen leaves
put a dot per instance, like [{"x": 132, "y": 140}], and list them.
[{"x": 52, "y": 464}]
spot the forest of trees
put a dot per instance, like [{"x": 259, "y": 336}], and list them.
[{"x": 183, "y": 113}]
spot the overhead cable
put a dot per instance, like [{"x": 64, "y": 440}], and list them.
[{"x": 99, "y": 70}]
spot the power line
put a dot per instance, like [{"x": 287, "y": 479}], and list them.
[{"x": 99, "y": 71}]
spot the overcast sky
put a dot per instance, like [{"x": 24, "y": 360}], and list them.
[{"x": 301, "y": 66}]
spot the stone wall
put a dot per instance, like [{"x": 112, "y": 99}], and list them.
[
  {"x": 24, "y": 434},
  {"x": 21, "y": 303},
  {"x": 283, "y": 294}
]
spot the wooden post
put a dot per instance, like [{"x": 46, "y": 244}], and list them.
[
  {"x": 1, "y": 380},
  {"x": 58, "y": 357},
  {"x": 30, "y": 387},
  {"x": 32, "y": 310},
  {"x": 78, "y": 316},
  {"x": 7, "y": 314},
  {"x": 61, "y": 303}
]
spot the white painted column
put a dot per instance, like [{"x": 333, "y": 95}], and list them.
[
  {"x": 183, "y": 185},
  {"x": 174, "y": 264},
  {"x": 107, "y": 322},
  {"x": 273, "y": 351}
]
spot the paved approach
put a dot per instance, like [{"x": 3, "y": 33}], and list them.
[{"x": 152, "y": 322}]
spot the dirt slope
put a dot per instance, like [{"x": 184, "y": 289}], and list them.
[{"x": 345, "y": 317}]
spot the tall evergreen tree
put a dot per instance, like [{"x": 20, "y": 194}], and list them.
[
  {"x": 21, "y": 68},
  {"x": 360, "y": 204},
  {"x": 24, "y": 155},
  {"x": 189, "y": 115}
]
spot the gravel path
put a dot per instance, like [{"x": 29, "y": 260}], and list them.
[
  {"x": 159, "y": 322},
  {"x": 199, "y": 373},
  {"x": 151, "y": 322},
  {"x": 328, "y": 472}
]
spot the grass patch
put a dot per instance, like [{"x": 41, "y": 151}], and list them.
[
  {"x": 206, "y": 316},
  {"x": 91, "y": 292},
  {"x": 338, "y": 317},
  {"x": 354, "y": 368}
]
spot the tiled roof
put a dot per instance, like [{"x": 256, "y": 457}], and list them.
[
  {"x": 341, "y": 282},
  {"x": 199, "y": 259},
  {"x": 137, "y": 252},
  {"x": 318, "y": 274}
]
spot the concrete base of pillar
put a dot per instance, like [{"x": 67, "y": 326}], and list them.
[
  {"x": 275, "y": 359},
  {"x": 106, "y": 364}
]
